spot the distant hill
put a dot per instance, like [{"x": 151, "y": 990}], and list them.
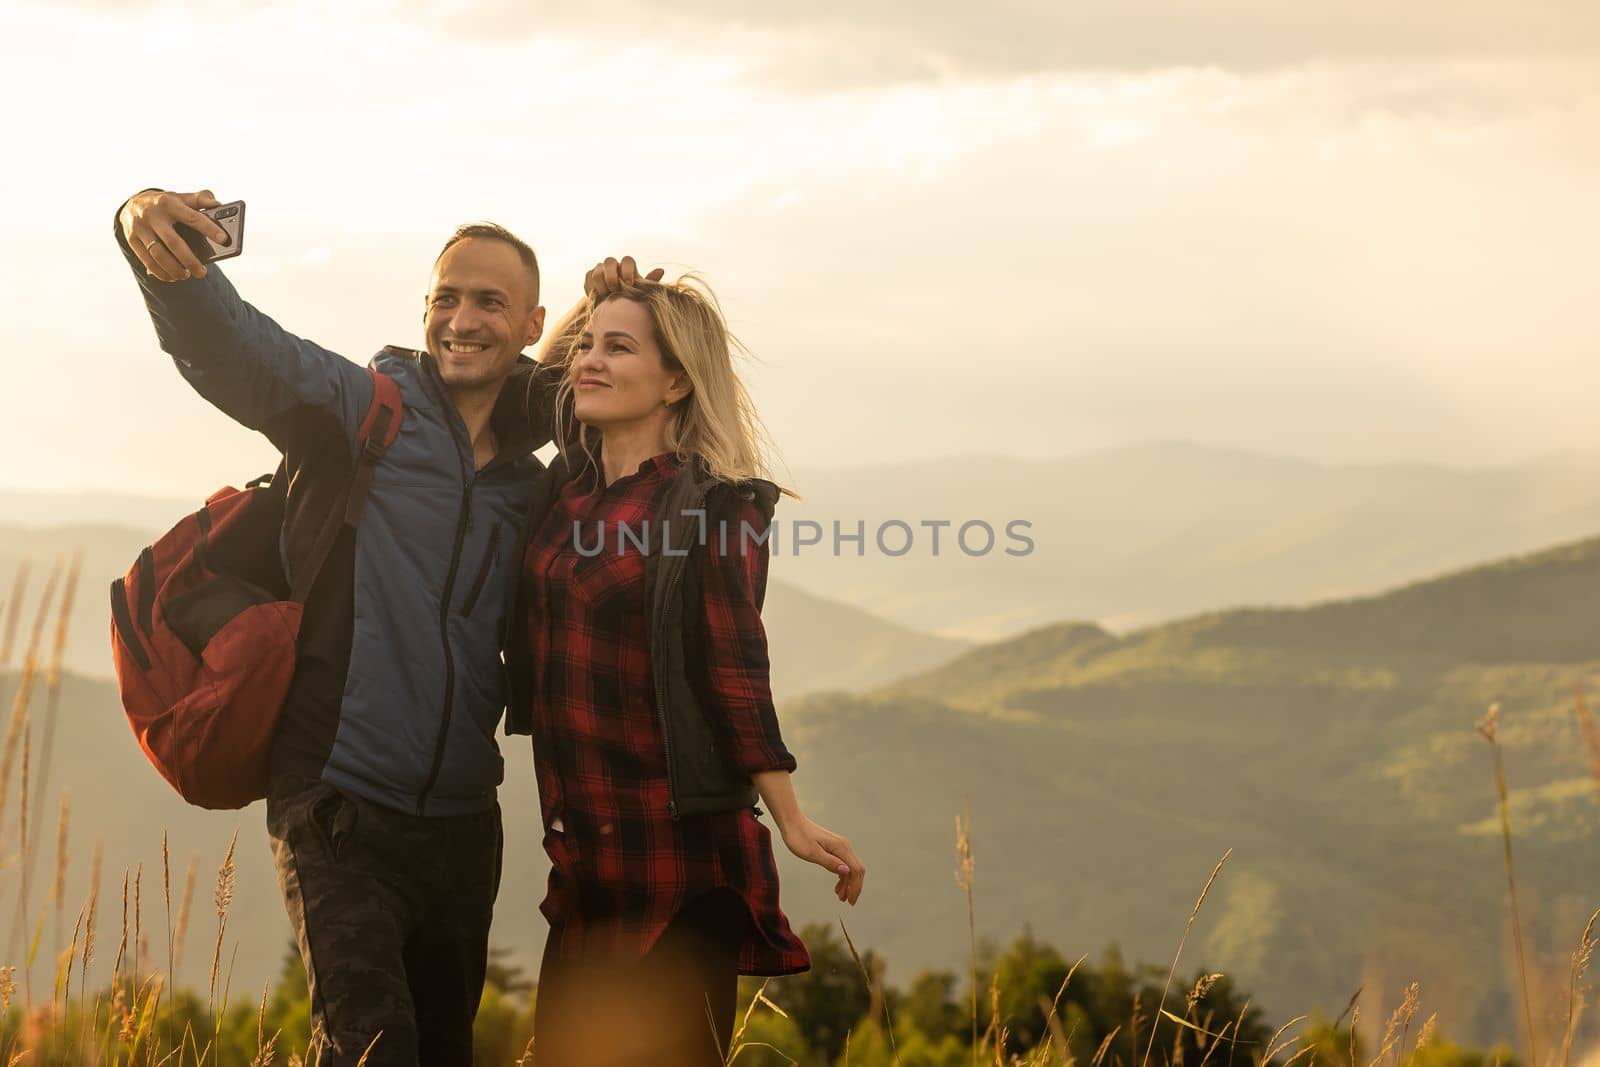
[
  {"x": 1331, "y": 747},
  {"x": 814, "y": 643},
  {"x": 817, "y": 644}
]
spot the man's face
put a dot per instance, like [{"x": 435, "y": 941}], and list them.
[{"x": 480, "y": 313}]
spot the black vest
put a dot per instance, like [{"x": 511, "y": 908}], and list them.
[{"x": 702, "y": 777}]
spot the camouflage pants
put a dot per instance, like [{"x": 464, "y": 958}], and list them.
[{"x": 391, "y": 912}]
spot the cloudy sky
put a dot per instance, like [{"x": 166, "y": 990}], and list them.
[{"x": 1351, "y": 231}]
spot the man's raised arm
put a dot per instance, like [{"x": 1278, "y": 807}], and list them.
[{"x": 233, "y": 355}]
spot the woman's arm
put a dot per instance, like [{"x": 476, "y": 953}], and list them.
[
  {"x": 734, "y": 577},
  {"x": 809, "y": 841}
]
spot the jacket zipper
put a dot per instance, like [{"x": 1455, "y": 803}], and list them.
[
  {"x": 490, "y": 555},
  {"x": 463, "y": 523},
  {"x": 656, "y": 664},
  {"x": 514, "y": 623},
  {"x": 661, "y": 714}
]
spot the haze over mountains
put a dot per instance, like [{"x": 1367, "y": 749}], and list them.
[
  {"x": 1138, "y": 535},
  {"x": 1123, "y": 537},
  {"x": 815, "y": 643}
]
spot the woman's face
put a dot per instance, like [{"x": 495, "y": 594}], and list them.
[{"x": 617, "y": 369}]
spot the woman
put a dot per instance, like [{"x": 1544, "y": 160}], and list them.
[{"x": 653, "y": 723}]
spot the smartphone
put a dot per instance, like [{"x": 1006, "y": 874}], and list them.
[{"x": 231, "y": 218}]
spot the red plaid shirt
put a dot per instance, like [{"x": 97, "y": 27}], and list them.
[{"x": 621, "y": 867}]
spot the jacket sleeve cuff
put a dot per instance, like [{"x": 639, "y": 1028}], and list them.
[
  {"x": 775, "y": 760},
  {"x": 122, "y": 241}
]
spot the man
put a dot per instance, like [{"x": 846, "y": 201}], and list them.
[{"x": 382, "y": 812}]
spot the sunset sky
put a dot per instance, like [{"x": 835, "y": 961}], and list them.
[{"x": 1352, "y": 231}]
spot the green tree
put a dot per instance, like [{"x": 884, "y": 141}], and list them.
[
  {"x": 504, "y": 976},
  {"x": 1028, "y": 972},
  {"x": 931, "y": 1005},
  {"x": 869, "y": 1047},
  {"x": 1448, "y": 1054},
  {"x": 503, "y": 1027},
  {"x": 1335, "y": 1046},
  {"x": 289, "y": 1009}
]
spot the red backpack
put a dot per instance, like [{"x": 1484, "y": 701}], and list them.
[{"x": 204, "y": 626}]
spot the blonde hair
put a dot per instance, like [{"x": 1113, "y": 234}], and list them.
[{"x": 717, "y": 420}]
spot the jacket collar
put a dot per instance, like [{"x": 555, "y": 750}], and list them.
[
  {"x": 510, "y": 419},
  {"x": 762, "y": 492}
]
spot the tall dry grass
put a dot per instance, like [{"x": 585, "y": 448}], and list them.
[
  {"x": 58, "y": 652},
  {"x": 222, "y": 897},
  {"x": 1489, "y": 729},
  {"x": 116, "y": 1026},
  {"x": 58, "y": 889},
  {"x": 14, "y": 730},
  {"x": 22, "y": 721},
  {"x": 41, "y": 614},
  {"x": 181, "y": 929},
  {"x": 965, "y": 868},
  {"x": 1576, "y": 991},
  {"x": 1173, "y": 970},
  {"x": 13, "y": 611}
]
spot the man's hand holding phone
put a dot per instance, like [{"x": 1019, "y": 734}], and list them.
[{"x": 154, "y": 223}]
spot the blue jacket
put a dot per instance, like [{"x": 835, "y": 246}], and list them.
[{"x": 400, "y": 683}]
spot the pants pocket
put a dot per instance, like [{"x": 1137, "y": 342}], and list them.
[{"x": 334, "y": 818}]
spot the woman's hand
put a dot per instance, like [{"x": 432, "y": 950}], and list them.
[
  {"x": 812, "y": 843},
  {"x": 828, "y": 850}
]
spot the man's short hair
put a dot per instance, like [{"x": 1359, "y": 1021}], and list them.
[{"x": 496, "y": 232}]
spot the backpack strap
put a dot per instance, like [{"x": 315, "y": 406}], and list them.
[{"x": 377, "y": 432}]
